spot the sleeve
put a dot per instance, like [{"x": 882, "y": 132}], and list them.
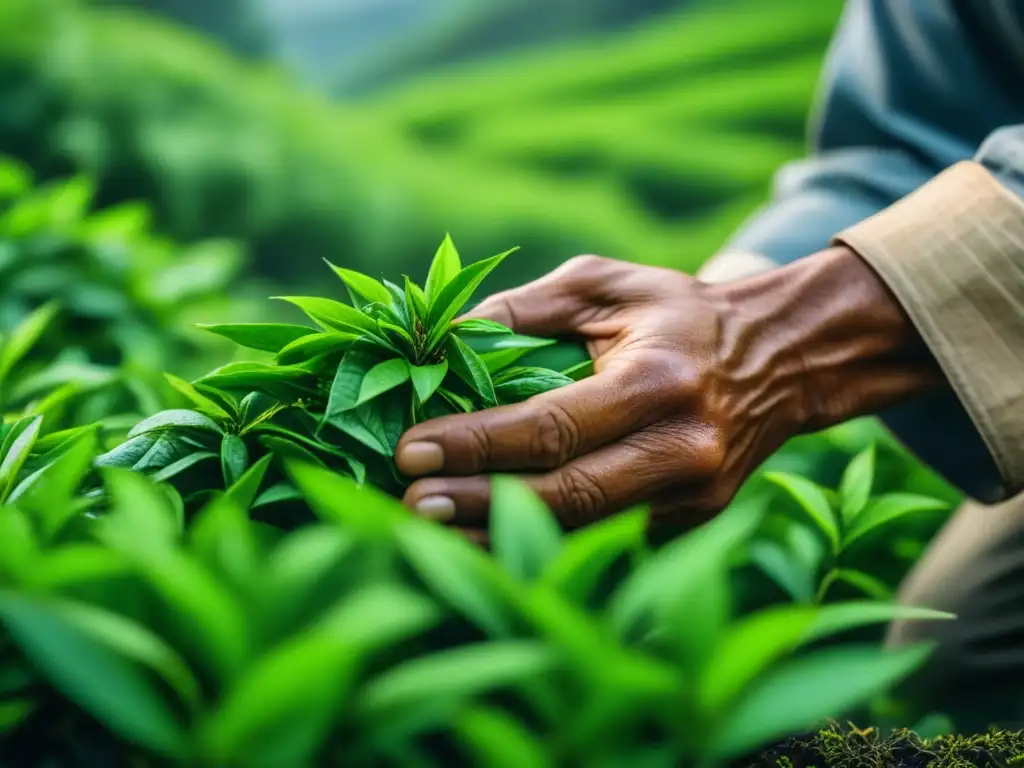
[{"x": 907, "y": 93}]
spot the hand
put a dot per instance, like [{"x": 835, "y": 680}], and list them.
[{"x": 694, "y": 386}]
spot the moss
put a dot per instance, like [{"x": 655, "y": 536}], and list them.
[{"x": 849, "y": 747}]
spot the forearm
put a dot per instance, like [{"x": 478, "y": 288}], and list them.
[{"x": 831, "y": 331}]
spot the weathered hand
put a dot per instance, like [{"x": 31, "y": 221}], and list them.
[{"x": 694, "y": 386}]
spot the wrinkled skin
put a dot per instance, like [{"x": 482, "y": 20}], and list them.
[{"x": 694, "y": 386}]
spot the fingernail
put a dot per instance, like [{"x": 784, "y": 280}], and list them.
[
  {"x": 438, "y": 508},
  {"x": 420, "y": 458}
]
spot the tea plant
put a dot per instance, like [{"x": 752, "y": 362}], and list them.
[
  {"x": 812, "y": 559},
  {"x": 342, "y": 391},
  {"x": 375, "y": 638},
  {"x": 113, "y": 295}
]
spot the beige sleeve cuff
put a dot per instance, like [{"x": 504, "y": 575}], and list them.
[{"x": 953, "y": 253}]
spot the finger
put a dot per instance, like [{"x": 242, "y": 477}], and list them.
[
  {"x": 545, "y": 431},
  {"x": 558, "y": 303},
  {"x": 640, "y": 468}
]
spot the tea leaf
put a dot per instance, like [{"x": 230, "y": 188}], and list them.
[
  {"x": 889, "y": 508},
  {"x": 855, "y": 486},
  {"x": 175, "y": 418},
  {"x": 266, "y": 337},
  {"x": 787, "y": 572},
  {"x": 314, "y": 345},
  {"x": 339, "y": 499},
  {"x": 16, "y": 452},
  {"x": 426, "y": 379},
  {"x": 199, "y": 400},
  {"x": 98, "y": 679},
  {"x": 445, "y": 305},
  {"x": 234, "y": 458},
  {"x": 812, "y": 500},
  {"x": 444, "y": 679},
  {"x": 443, "y": 268},
  {"x": 525, "y": 536},
  {"x": 348, "y": 381},
  {"x": 333, "y": 315},
  {"x": 866, "y": 583},
  {"x": 587, "y": 554},
  {"x": 841, "y": 617},
  {"x": 415, "y": 299},
  {"x": 382, "y": 378},
  {"x": 468, "y": 366},
  {"x": 459, "y": 574},
  {"x": 498, "y": 740},
  {"x": 283, "y": 382},
  {"x": 751, "y": 646},
  {"x": 518, "y": 384},
  {"x": 364, "y": 425},
  {"x": 791, "y": 699},
  {"x": 24, "y": 336},
  {"x": 478, "y": 326},
  {"x": 458, "y": 402},
  {"x": 580, "y": 371},
  {"x": 243, "y": 491},
  {"x": 362, "y": 289},
  {"x": 181, "y": 465}
]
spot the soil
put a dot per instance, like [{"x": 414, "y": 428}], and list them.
[{"x": 841, "y": 746}]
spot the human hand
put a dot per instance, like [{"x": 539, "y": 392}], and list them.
[{"x": 694, "y": 386}]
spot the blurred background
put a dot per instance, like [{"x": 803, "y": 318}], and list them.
[{"x": 363, "y": 130}]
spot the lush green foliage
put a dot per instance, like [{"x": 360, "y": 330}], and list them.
[
  {"x": 343, "y": 390},
  {"x": 95, "y": 304},
  {"x": 652, "y": 145},
  {"x": 374, "y": 638}
]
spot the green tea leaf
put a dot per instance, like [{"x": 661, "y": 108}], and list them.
[
  {"x": 478, "y": 326},
  {"x": 791, "y": 699},
  {"x": 234, "y": 458},
  {"x": 415, "y": 299},
  {"x": 444, "y": 679},
  {"x": 580, "y": 371},
  {"x": 182, "y": 465},
  {"x": 98, "y": 679},
  {"x": 281, "y": 492},
  {"x": 524, "y": 534},
  {"x": 866, "y": 583},
  {"x": 333, "y": 315},
  {"x": 24, "y": 336},
  {"x": 749, "y": 648},
  {"x": 175, "y": 418},
  {"x": 587, "y": 553},
  {"x": 841, "y": 617},
  {"x": 889, "y": 508},
  {"x": 221, "y": 536},
  {"x": 364, "y": 425},
  {"x": 456, "y": 401},
  {"x": 496, "y": 739},
  {"x": 313, "y": 346},
  {"x": 362, "y": 289},
  {"x": 459, "y": 574},
  {"x": 787, "y": 572},
  {"x": 51, "y": 492},
  {"x": 426, "y": 379},
  {"x": 201, "y": 402},
  {"x": 855, "y": 486},
  {"x": 243, "y": 491},
  {"x": 443, "y": 269},
  {"x": 266, "y": 337},
  {"x": 447, "y": 303},
  {"x": 812, "y": 500},
  {"x": 339, "y": 499},
  {"x": 16, "y": 452},
  {"x": 518, "y": 384},
  {"x": 348, "y": 380},
  {"x": 141, "y": 519},
  {"x": 468, "y": 366},
  {"x": 382, "y": 378},
  {"x": 283, "y": 382}
]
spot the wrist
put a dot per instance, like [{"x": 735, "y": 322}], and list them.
[{"x": 831, "y": 340}]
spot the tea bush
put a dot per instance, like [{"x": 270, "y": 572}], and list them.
[
  {"x": 135, "y": 635},
  {"x": 95, "y": 304}
]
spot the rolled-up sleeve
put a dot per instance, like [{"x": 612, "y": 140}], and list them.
[{"x": 953, "y": 254}]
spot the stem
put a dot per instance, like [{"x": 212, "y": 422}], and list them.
[{"x": 826, "y": 582}]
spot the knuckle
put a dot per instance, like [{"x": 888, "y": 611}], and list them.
[
  {"x": 477, "y": 448},
  {"x": 586, "y": 262},
  {"x": 580, "y": 497},
  {"x": 556, "y": 436}
]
